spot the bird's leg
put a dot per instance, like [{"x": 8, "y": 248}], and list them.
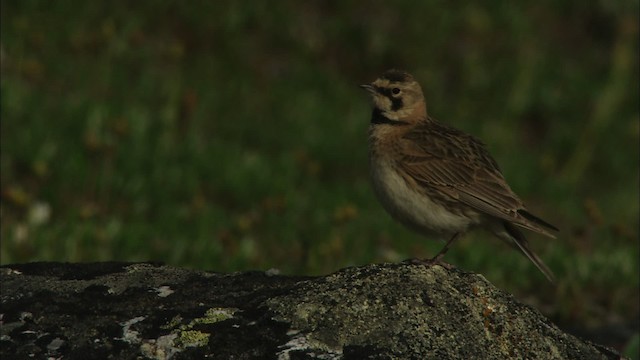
[
  {"x": 444, "y": 250},
  {"x": 436, "y": 259}
]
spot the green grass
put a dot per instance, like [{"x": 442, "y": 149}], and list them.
[{"x": 232, "y": 135}]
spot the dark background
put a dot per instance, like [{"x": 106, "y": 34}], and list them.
[{"x": 230, "y": 136}]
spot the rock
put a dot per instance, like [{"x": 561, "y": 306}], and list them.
[{"x": 385, "y": 311}]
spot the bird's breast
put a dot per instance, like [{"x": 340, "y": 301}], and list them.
[{"x": 410, "y": 206}]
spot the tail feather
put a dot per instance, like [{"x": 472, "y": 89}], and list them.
[
  {"x": 523, "y": 245},
  {"x": 529, "y": 216}
]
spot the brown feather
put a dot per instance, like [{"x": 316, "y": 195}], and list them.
[{"x": 459, "y": 165}]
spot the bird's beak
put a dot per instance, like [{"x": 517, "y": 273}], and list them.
[{"x": 370, "y": 89}]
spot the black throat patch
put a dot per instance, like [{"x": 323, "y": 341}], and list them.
[{"x": 377, "y": 118}]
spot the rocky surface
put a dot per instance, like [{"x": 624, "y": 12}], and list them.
[{"x": 386, "y": 311}]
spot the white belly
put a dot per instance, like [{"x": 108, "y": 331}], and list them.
[{"x": 413, "y": 209}]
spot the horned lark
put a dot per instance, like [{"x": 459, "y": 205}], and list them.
[{"x": 437, "y": 180}]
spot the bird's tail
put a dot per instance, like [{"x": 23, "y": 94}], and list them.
[
  {"x": 536, "y": 224},
  {"x": 523, "y": 245}
]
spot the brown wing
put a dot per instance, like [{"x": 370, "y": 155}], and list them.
[{"x": 460, "y": 166}]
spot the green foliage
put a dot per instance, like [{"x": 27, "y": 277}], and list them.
[{"x": 232, "y": 135}]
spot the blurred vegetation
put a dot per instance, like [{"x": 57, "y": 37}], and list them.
[{"x": 230, "y": 136}]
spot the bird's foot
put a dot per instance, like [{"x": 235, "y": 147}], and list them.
[{"x": 436, "y": 260}]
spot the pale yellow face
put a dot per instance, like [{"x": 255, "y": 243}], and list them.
[{"x": 396, "y": 97}]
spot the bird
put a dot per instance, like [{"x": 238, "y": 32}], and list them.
[{"x": 437, "y": 180}]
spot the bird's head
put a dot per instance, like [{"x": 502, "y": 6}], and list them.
[{"x": 397, "y": 96}]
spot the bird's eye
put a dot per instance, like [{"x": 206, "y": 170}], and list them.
[{"x": 395, "y": 91}]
